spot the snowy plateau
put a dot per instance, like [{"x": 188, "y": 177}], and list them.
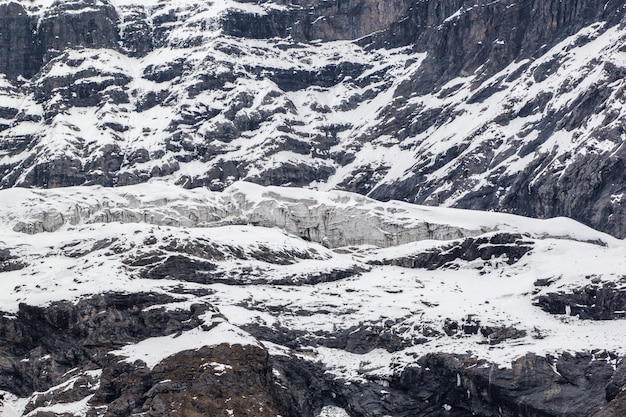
[{"x": 324, "y": 208}]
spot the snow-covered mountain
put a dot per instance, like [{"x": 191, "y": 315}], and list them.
[
  {"x": 211, "y": 208},
  {"x": 139, "y": 300},
  {"x": 496, "y": 105}
]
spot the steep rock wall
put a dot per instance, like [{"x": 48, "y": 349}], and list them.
[{"x": 490, "y": 105}]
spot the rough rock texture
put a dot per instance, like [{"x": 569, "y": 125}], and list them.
[
  {"x": 596, "y": 301},
  {"x": 44, "y": 348},
  {"x": 18, "y": 46},
  {"x": 78, "y": 24},
  {"x": 469, "y": 387},
  {"x": 9, "y": 262},
  {"x": 206, "y": 381},
  {"x": 616, "y": 408},
  {"x": 509, "y": 247},
  {"x": 464, "y": 36},
  {"x": 248, "y": 381},
  {"x": 188, "y": 302},
  {"x": 79, "y": 334},
  {"x": 505, "y": 105}
]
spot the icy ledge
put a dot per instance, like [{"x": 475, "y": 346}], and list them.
[{"x": 334, "y": 218}]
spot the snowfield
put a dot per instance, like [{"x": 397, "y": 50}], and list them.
[{"x": 265, "y": 260}]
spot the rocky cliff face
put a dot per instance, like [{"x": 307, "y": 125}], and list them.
[
  {"x": 510, "y": 106},
  {"x": 139, "y": 276}
]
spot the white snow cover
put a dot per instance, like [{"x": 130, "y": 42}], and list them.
[
  {"x": 45, "y": 228},
  {"x": 82, "y": 132},
  {"x": 12, "y": 406},
  {"x": 332, "y": 411},
  {"x": 86, "y": 251},
  {"x": 335, "y": 217},
  {"x": 155, "y": 349},
  {"x": 491, "y": 291},
  {"x": 360, "y": 106}
]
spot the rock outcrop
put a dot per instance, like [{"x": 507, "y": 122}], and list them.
[
  {"x": 509, "y": 248},
  {"x": 40, "y": 346},
  {"x": 18, "y": 45},
  {"x": 246, "y": 380},
  {"x": 596, "y": 301},
  {"x": 218, "y": 380}
]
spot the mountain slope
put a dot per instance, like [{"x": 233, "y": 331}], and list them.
[
  {"x": 263, "y": 209},
  {"x": 501, "y": 105},
  {"x": 131, "y": 291}
]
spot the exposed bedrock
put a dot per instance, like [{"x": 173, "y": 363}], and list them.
[
  {"x": 506, "y": 246},
  {"x": 461, "y": 36},
  {"x": 206, "y": 381},
  {"x": 62, "y": 351},
  {"x": 41, "y": 344},
  {"x": 596, "y": 301}
]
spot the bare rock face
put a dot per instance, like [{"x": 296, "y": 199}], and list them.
[
  {"x": 78, "y": 24},
  {"x": 42, "y": 348},
  {"x": 79, "y": 334},
  {"x": 616, "y": 408},
  {"x": 28, "y": 43},
  {"x": 349, "y": 19},
  {"x": 247, "y": 380},
  {"x": 208, "y": 381},
  {"x": 314, "y": 21},
  {"x": 470, "y": 388},
  {"x": 462, "y": 37},
  {"x": 592, "y": 302},
  {"x": 508, "y": 247},
  {"x": 20, "y": 53}
]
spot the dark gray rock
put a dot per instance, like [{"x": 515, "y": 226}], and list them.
[
  {"x": 9, "y": 262},
  {"x": 209, "y": 380},
  {"x": 605, "y": 301},
  {"x": 505, "y": 246},
  {"x": 81, "y": 88},
  {"x": 489, "y": 36},
  {"x": 583, "y": 191},
  {"x": 328, "y": 76},
  {"x": 78, "y": 23},
  {"x": 617, "y": 382},
  {"x": 195, "y": 262},
  {"x": 615, "y": 408},
  {"x": 41, "y": 344},
  {"x": 27, "y": 43},
  {"x": 274, "y": 24},
  {"x": 531, "y": 387},
  {"x": 61, "y": 172},
  {"x": 20, "y": 50},
  {"x": 137, "y": 36},
  {"x": 295, "y": 175},
  {"x": 76, "y": 338}
]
